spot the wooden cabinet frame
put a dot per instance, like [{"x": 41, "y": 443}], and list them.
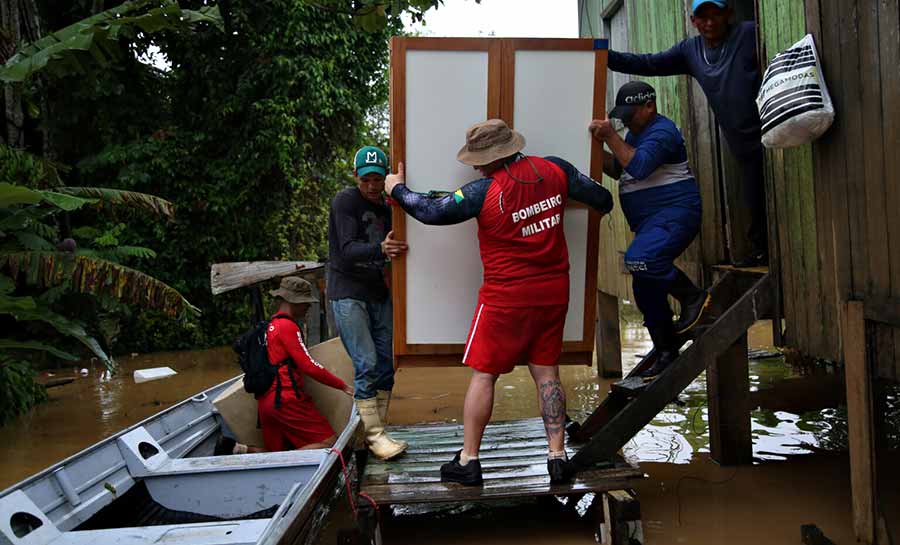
[{"x": 500, "y": 104}]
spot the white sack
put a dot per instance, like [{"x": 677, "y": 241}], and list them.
[{"x": 793, "y": 102}]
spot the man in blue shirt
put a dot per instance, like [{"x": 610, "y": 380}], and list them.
[
  {"x": 661, "y": 202},
  {"x": 723, "y": 60}
]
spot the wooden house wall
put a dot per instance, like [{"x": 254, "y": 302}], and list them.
[
  {"x": 836, "y": 202},
  {"x": 808, "y": 295},
  {"x": 857, "y": 162}
]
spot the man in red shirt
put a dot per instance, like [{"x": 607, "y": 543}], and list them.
[
  {"x": 287, "y": 414},
  {"x": 519, "y": 205}
]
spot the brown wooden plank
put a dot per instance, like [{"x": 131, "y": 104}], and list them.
[
  {"x": 833, "y": 156},
  {"x": 824, "y": 181},
  {"x": 884, "y": 310},
  {"x": 889, "y": 58},
  {"x": 640, "y": 411},
  {"x": 608, "y": 339},
  {"x": 224, "y": 277},
  {"x": 878, "y": 270},
  {"x": 860, "y": 419},
  {"x": 592, "y": 481},
  {"x": 398, "y": 216},
  {"x": 851, "y": 84},
  {"x": 447, "y": 44},
  {"x": 728, "y": 393}
]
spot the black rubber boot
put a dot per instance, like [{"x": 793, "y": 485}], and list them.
[
  {"x": 693, "y": 302},
  {"x": 454, "y": 472},
  {"x": 666, "y": 350}
]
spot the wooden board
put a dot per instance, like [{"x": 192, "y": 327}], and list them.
[
  {"x": 513, "y": 459},
  {"x": 472, "y": 79},
  {"x": 224, "y": 277}
]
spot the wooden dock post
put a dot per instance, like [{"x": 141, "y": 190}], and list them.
[
  {"x": 860, "y": 422},
  {"x": 620, "y": 518},
  {"x": 728, "y": 391},
  {"x": 608, "y": 340}
]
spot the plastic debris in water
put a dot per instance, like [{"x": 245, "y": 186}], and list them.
[{"x": 155, "y": 373}]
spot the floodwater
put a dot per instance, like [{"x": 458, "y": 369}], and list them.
[{"x": 686, "y": 499}]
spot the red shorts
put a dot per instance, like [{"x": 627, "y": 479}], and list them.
[
  {"x": 502, "y": 337},
  {"x": 296, "y": 424}
]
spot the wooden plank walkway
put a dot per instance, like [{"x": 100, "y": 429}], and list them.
[{"x": 513, "y": 460}]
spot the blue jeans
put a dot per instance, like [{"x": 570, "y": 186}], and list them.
[
  {"x": 650, "y": 258},
  {"x": 366, "y": 329}
]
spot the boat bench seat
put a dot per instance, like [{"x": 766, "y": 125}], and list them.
[
  {"x": 22, "y": 523},
  {"x": 146, "y": 458}
]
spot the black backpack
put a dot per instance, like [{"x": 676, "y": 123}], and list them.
[{"x": 253, "y": 356}]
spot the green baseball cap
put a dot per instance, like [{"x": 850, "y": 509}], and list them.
[{"x": 370, "y": 159}]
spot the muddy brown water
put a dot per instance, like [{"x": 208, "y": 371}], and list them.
[{"x": 686, "y": 499}]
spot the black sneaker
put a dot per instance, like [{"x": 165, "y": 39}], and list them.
[
  {"x": 468, "y": 475},
  {"x": 664, "y": 359},
  {"x": 692, "y": 311},
  {"x": 560, "y": 471}
]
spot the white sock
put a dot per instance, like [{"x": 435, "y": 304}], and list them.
[
  {"x": 464, "y": 459},
  {"x": 557, "y": 455},
  {"x": 239, "y": 448}
]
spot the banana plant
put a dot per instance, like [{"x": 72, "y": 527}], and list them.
[{"x": 76, "y": 48}]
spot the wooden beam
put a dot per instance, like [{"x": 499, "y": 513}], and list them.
[
  {"x": 732, "y": 324},
  {"x": 728, "y": 392},
  {"x": 225, "y": 277},
  {"x": 621, "y": 518},
  {"x": 884, "y": 310},
  {"x": 860, "y": 422},
  {"x": 608, "y": 339}
]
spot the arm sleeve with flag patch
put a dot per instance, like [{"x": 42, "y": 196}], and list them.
[
  {"x": 444, "y": 209},
  {"x": 288, "y": 334}
]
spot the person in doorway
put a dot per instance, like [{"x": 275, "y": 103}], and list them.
[
  {"x": 287, "y": 415},
  {"x": 519, "y": 204},
  {"x": 723, "y": 60},
  {"x": 360, "y": 240},
  {"x": 661, "y": 203}
]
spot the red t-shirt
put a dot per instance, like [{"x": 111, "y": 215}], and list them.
[
  {"x": 283, "y": 341},
  {"x": 520, "y": 230}
]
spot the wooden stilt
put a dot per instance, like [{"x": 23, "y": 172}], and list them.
[
  {"x": 728, "y": 390},
  {"x": 860, "y": 422},
  {"x": 608, "y": 340},
  {"x": 619, "y": 516}
]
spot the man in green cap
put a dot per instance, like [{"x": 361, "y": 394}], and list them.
[{"x": 359, "y": 242}]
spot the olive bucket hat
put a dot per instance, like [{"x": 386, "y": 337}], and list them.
[{"x": 295, "y": 290}]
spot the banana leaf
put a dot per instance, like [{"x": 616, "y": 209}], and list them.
[
  {"x": 158, "y": 206},
  {"x": 11, "y": 194},
  {"x": 94, "y": 41},
  {"x": 97, "y": 277},
  {"x": 9, "y": 344}
]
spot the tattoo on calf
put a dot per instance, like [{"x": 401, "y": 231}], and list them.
[{"x": 553, "y": 406}]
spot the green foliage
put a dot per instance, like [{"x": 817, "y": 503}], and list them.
[
  {"x": 253, "y": 145},
  {"x": 18, "y": 390},
  {"x": 96, "y": 40}
]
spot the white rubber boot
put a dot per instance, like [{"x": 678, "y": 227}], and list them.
[
  {"x": 379, "y": 442},
  {"x": 384, "y": 401}
]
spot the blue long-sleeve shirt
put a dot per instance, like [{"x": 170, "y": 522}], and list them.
[
  {"x": 729, "y": 75},
  {"x": 658, "y": 176},
  {"x": 447, "y": 209}
]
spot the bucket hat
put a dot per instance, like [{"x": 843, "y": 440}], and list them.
[
  {"x": 488, "y": 141},
  {"x": 294, "y": 290}
]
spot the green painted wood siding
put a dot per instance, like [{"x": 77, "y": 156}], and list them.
[{"x": 809, "y": 326}]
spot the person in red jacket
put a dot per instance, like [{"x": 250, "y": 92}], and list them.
[
  {"x": 288, "y": 416},
  {"x": 519, "y": 205}
]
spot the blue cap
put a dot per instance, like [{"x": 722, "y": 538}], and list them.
[{"x": 697, "y": 3}]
